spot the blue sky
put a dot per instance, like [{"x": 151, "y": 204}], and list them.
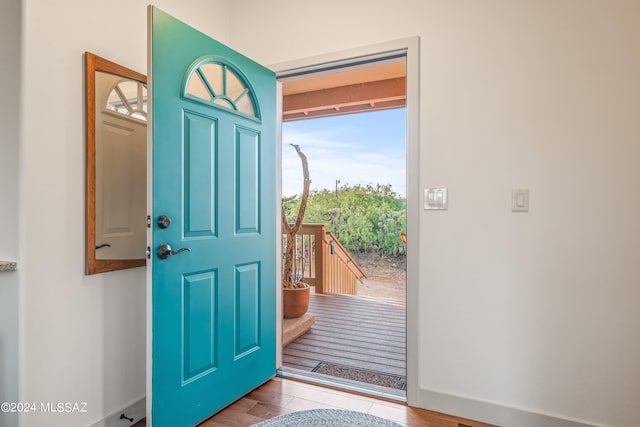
[{"x": 363, "y": 148}]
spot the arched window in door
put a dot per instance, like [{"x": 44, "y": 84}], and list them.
[{"x": 216, "y": 82}]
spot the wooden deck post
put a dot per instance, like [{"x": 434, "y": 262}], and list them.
[{"x": 321, "y": 260}]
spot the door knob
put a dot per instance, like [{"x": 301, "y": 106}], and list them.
[{"x": 164, "y": 251}]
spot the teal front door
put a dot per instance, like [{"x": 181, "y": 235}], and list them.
[{"x": 213, "y": 241}]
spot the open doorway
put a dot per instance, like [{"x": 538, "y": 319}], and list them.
[{"x": 351, "y": 122}]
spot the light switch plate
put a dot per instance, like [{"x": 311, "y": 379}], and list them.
[
  {"x": 436, "y": 199},
  {"x": 520, "y": 200}
]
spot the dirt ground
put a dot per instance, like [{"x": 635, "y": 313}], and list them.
[{"x": 386, "y": 275}]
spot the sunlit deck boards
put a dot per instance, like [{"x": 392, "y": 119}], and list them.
[{"x": 353, "y": 331}]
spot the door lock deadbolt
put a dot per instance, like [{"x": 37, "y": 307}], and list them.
[{"x": 164, "y": 221}]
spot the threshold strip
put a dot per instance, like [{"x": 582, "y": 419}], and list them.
[{"x": 340, "y": 385}]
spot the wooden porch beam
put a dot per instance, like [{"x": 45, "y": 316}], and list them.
[{"x": 382, "y": 94}]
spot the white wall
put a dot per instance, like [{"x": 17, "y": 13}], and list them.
[
  {"x": 535, "y": 311},
  {"x": 9, "y": 189},
  {"x": 83, "y": 336}
]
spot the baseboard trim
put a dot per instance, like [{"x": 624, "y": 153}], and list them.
[
  {"x": 136, "y": 410},
  {"x": 490, "y": 413}
]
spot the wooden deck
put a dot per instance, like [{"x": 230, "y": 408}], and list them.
[{"x": 355, "y": 331}]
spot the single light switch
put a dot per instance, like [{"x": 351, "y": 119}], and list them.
[
  {"x": 520, "y": 200},
  {"x": 435, "y": 199}
]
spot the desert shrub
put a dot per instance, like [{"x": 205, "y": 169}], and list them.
[{"x": 363, "y": 218}]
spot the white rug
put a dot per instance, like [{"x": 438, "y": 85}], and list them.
[{"x": 327, "y": 418}]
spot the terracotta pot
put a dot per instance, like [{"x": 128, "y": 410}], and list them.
[{"x": 295, "y": 302}]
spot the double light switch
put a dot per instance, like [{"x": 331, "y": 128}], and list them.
[{"x": 435, "y": 199}]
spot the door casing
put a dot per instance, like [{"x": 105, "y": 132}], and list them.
[{"x": 411, "y": 47}]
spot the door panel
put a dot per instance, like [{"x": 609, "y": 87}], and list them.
[
  {"x": 248, "y": 180},
  {"x": 247, "y": 319},
  {"x": 199, "y": 349},
  {"x": 200, "y": 170},
  {"x": 213, "y": 305}
]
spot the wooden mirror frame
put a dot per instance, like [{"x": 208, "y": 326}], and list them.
[{"x": 95, "y": 63}]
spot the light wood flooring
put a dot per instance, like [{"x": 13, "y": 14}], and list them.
[
  {"x": 353, "y": 331},
  {"x": 279, "y": 396}
]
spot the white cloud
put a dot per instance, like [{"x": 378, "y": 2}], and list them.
[{"x": 331, "y": 157}]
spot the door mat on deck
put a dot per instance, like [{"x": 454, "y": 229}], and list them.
[{"x": 362, "y": 375}]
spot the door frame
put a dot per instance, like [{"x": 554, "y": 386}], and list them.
[{"x": 411, "y": 48}]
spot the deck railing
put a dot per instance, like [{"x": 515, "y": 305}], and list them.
[
  {"x": 343, "y": 272},
  {"x": 327, "y": 264}
]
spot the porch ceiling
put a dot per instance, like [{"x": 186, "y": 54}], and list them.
[{"x": 368, "y": 88}]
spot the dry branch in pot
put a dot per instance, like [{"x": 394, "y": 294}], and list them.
[{"x": 290, "y": 230}]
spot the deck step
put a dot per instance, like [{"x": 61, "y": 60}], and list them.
[{"x": 294, "y": 328}]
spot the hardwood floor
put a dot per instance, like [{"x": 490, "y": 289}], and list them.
[{"x": 280, "y": 396}]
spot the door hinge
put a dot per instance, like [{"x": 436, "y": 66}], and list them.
[
  {"x": 148, "y": 252},
  {"x": 148, "y": 221}
]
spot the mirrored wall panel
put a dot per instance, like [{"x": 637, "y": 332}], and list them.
[{"x": 116, "y": 118}]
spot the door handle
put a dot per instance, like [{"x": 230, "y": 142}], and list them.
[{"x": 164, "y": 251}]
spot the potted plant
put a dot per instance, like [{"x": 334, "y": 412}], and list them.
[{"x": 295, "y": 293}]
